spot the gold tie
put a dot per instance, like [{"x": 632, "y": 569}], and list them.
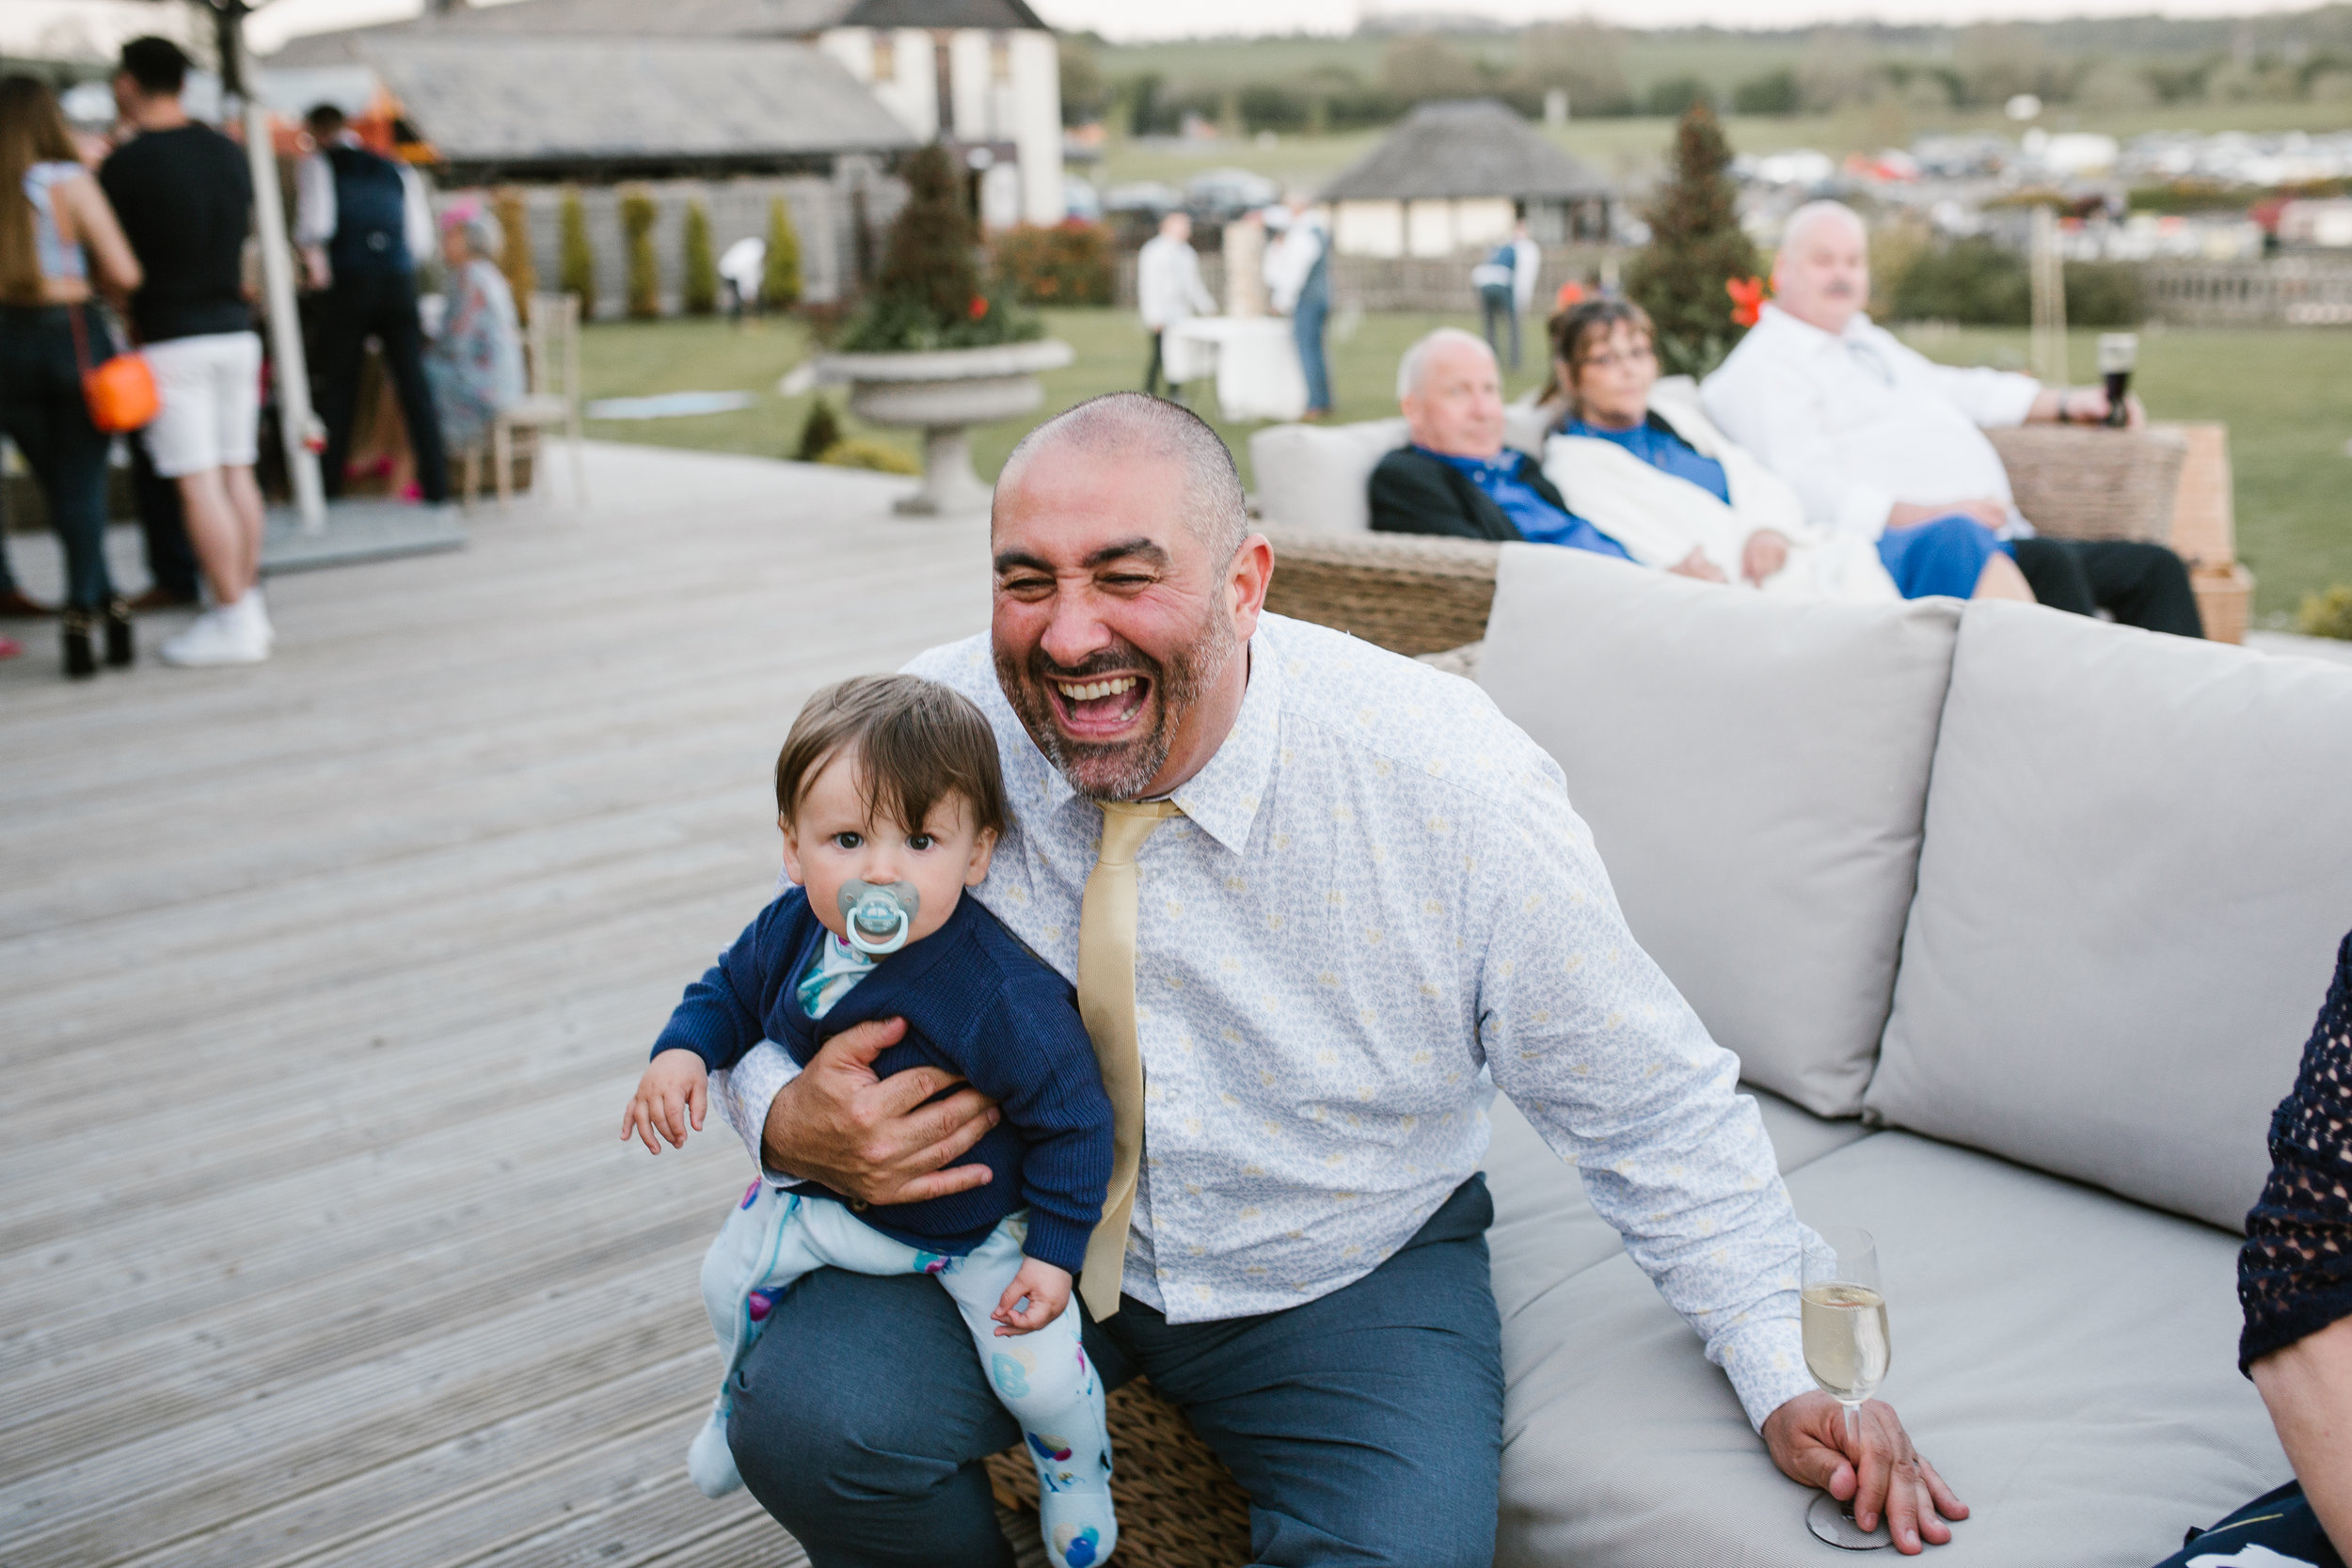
[{"x": 1106, "y": 1000}]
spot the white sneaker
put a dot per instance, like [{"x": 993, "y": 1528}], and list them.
[
  {"x": 256, "y": 609},
  {"x": 231, "y": 636}
]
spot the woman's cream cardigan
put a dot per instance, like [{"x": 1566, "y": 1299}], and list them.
[{"x": 1660, "y": 518}]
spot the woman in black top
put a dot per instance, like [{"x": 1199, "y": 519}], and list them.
[{"x": 2295, "y": 1281}]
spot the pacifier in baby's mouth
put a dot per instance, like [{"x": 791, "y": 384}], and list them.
[{"x": 879, "y": 915}]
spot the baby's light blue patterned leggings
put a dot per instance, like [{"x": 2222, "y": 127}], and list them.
[{"x": 1044, "y": 1378}]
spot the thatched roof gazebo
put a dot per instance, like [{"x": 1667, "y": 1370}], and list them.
[{"x": 1452, "y": 176}]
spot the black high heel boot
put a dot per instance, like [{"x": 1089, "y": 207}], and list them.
[
  {"x": 81, "y": 662},
  {"x": 121, "y": 644}
]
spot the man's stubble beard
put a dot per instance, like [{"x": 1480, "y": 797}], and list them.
[{"x": 1122, "y": 772}]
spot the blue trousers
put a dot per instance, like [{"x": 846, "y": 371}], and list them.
[
  {"x": 1307, "y": 319},
  {"x": 2280, "y": 1522},
  {"x": 1366, "y": 1426},
  {"x": 1945, "y": 555}
]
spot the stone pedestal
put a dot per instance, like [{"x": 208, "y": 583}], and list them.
[{"x": 944, "y": 393}]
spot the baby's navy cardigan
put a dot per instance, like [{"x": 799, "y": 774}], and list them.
[{"x": 977, "y": 1003}]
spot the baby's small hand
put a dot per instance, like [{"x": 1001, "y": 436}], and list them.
[
  {"x": 673, "y": 1091},
  {"x": 1047, "y": 1289}
]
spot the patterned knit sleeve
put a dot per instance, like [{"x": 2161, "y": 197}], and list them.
[{"x": 2295, "y": 1272}]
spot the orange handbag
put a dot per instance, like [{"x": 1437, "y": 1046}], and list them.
[{"x": 122, "y": 392}]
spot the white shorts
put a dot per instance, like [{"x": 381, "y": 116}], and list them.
[{"x": 212, "y": 403}]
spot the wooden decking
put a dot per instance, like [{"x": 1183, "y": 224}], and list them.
[{"x": 321, "y": 986}]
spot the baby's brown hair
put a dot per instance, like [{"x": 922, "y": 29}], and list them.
[{"x": 917, "y": 743}]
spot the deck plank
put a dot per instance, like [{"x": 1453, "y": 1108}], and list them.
[{"x": 321, "y": 987}]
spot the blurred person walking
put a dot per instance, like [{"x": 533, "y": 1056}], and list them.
[
  {"x": 55, "y": 227},
  {"x": 363, "y": 222},
  {"x": 1505, "y": 281},
  {"x": 1167, "y": 291},
  {"x": 475, "y": 364},
  {"x": 1298, "y": 277},
  {"x": 186, "y": 202}
]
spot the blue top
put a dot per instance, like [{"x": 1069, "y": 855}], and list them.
[
  {"x": 1661, "y": 447},
  {"x": 1539, "y": 521},
  {"x": 56, "y": 259},
  {"x": 977, "y": 1003}
]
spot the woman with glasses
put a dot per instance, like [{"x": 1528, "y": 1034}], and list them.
[{"x": 1639, "y": 459}]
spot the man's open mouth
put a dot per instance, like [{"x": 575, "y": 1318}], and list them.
[{"x": 1101, "y": 708}]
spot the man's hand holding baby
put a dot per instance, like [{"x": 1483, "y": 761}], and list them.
[
  {"x": 674, "y": 1092},
  {"x": 1047, "y": 1290}
]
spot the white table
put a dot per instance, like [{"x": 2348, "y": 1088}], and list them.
[{"x": 1255, "y": 361}]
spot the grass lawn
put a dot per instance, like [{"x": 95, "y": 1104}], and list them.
[
  {"x": 2288, "y": 402},
  {"x": 2282, "y": 392}
]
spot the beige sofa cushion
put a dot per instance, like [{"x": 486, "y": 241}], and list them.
[
  {"x": 1545, "y": 1230},
  {"x": 1316, "y": 478},
  {"x": 2139, "y": 864},
  {"x": 2066, "y": 1359},
  {"x": 1753, "y": 771}
]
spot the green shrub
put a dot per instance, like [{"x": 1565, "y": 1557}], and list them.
[
  {"x": 1068, "y": 263},
  {"x": 1977, "y": 282},
  {"x": 2327, "y": 613},
  {"x": 2103, "y": 293},
  {"x": 864, "y": 452},
  {"x": 1674, "y": 95},
  {"x": 820, "y": 433},
  {"x": 1696, "y": 246},
  {"x": 780, "y": 284},
  {"x": 580, "y": 258},
  {"x": 1773, "y": 93},
  {"x": 644, "y": 271},
  {"x": 700, "y": 292},
  {"x": 928, "y": 292}
]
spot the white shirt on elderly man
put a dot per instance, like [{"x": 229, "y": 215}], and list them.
[
  {"x": 1168, "y": 284},
  {"x": 1378, "y": 895},
  {"x": 1856, "y": 421}
]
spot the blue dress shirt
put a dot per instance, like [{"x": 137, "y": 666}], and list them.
[{"x": 1539, "y": 521}]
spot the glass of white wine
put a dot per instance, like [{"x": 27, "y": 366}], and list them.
[{"x": 1847, "y": 1350}]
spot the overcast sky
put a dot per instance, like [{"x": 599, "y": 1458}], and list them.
[{"x": 1128, "y": 19}]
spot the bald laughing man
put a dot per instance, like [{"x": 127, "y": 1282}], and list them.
[
  {"x": 1877, "y": 439},
  {"x": 1328, "y": 947}
]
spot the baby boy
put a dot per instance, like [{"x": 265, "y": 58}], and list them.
[{"x": 891, "y": 802}]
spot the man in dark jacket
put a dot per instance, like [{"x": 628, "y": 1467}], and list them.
[
  {"x": 363, "y": 223},
  {"x": 1458, "y": 478}
]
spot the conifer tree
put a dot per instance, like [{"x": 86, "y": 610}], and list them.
[
  {"x": 644, "y": 271},
  {"x": 699, "y": 294},
  {"x": 580, "y": 258},
  {"x": 522, "y": 277},
  {"x": 932, "y": 256},
  {"x": 780, "y": 285},
  {"x": 1696, "y": 246}
]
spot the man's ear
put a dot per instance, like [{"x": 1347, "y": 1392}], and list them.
[
  {"x": 983, "y": 851},
  {"x": 1246, "y": 582},
  {"x": 791, "y": 852}
]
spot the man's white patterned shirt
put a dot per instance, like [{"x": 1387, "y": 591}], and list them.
[{"x": 1379, "y": 888}]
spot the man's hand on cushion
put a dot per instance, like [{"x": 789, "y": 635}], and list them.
[
  {"x": 1808, "y": 1437},
  {"x": 1765, "y": 553},
  {"x": 874, "y": 1138}
]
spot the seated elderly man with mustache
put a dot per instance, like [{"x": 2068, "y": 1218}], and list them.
[{"x": 1307, "y": 888}]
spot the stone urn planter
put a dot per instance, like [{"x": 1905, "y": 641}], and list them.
[{"x": 945, "y": 392}]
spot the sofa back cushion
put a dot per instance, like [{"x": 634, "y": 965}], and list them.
[
  {"x": 1315, "y": 477},
  {"x": 2139, "y": 862},
  {"x": 1753, "y": 771}
]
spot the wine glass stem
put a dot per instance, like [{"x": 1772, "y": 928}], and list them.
[{"x": 1853, "y": 1437}]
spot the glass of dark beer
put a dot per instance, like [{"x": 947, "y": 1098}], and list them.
[{"x": 2119, "y": 355}]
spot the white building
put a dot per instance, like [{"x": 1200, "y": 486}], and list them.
[
  {"x": 983, "y": 75},
  {"x": 1453, "y": 177}
]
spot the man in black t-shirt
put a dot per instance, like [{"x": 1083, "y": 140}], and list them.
[{"x": 185, "y": 201}]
